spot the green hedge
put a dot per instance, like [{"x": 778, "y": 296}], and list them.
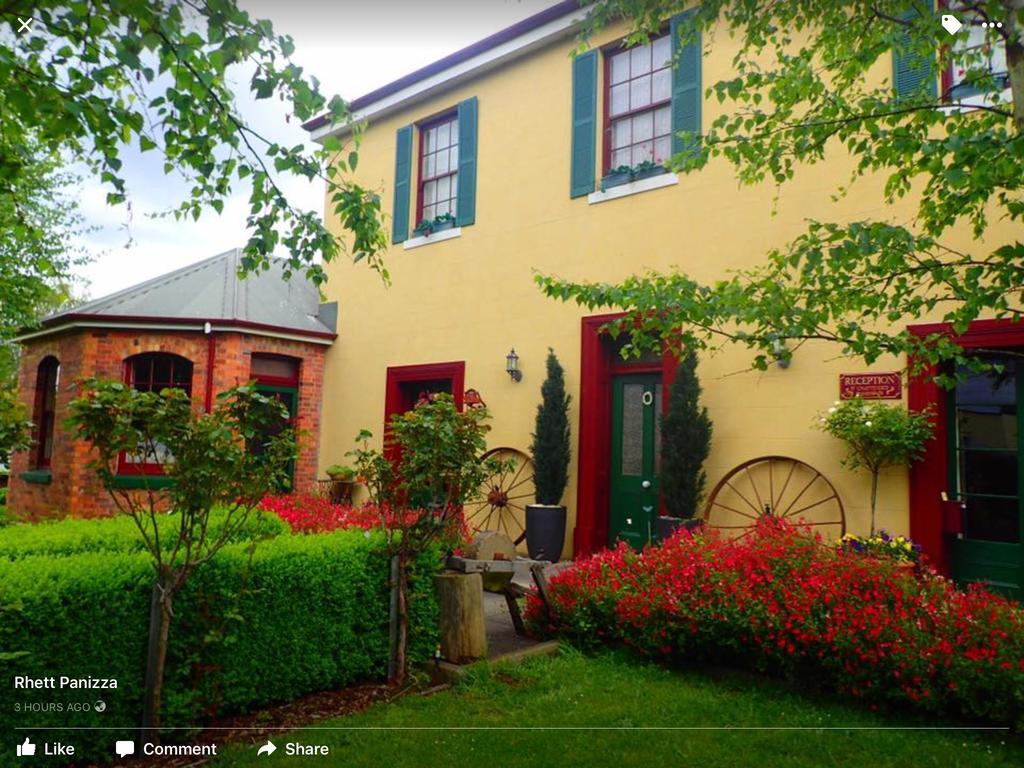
[
  {"x": 109, "y": 534},
  {"x": 312, "y": 615}
]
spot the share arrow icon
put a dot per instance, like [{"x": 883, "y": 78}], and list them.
[{"x": 266, "y": 749}]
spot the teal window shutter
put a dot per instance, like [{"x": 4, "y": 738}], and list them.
[
  {"x": 403, "y": 175},
  {"x": 687, "y": 94},
  {"x": 913, "y": 75},
  {"x": 584, "y": 124},
  {"x": 465, "y": 204}
]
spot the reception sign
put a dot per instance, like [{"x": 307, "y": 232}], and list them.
[{"x": 870, "y": 386}]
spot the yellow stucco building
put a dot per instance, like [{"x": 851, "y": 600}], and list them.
[{"x": 513, "y": 137}]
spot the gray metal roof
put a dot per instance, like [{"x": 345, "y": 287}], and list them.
[{"x": 212, "y": 291}]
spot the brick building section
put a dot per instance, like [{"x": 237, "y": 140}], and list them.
[{"x": 74, "y": 489}]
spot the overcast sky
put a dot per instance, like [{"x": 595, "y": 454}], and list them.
[{"x": 352, "y": 46}]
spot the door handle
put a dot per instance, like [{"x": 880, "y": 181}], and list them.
[{"x": 645, "y": 484}]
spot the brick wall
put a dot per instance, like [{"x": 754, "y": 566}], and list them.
[{"x": 74, "y": 489}]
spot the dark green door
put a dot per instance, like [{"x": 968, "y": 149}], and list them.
[
  {"x": 289, "y": 397},
  {"x": 985, "y": 466},
  {"x": 636, "y": 445}
]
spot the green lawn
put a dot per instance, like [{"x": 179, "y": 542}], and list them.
[{"x": 593, "y": 706}]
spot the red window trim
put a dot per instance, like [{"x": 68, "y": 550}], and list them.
[
  {"x": 607, "y": 50},
  {"x": 276, "y": 381},
  {"x": 421, "y": 127},
  {"x": 124, "y": 467},
  {"x": 47, "y": 374},
  {"x": 398, "y": 375}
]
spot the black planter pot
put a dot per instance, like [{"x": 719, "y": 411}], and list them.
[
  {"x": 665, "y": 526},
  {"x": 545, "y": 531}
]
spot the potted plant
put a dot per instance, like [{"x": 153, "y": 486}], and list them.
[
  {"x": 545, "y": 520},
  {"x": 646, "y": 169},
  {"x": 622, "y": 174},
  {"x": 341, "y": 472},
  {"x": 343, "y": 479},
  {"x": 685, "y": 443}
]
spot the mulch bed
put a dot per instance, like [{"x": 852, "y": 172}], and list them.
[{"x": 255, "y": 727}]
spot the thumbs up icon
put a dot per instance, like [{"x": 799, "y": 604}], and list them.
[{"x": 27, "y": 749}]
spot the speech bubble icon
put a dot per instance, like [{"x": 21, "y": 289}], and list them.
[{"x": 124, "y": 748}]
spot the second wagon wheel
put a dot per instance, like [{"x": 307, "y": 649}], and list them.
[
  {"x": 500, "y": 503},
  {"x": 780, "y": 486}
]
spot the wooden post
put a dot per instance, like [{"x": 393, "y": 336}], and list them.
[{"x": 460, "y": 597}]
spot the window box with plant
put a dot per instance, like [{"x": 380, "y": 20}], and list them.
[
  {"x": 625, "y": 174},
  {"x": 646, "y": 169},
  {"x": 545, "y": 520},
  {"x": 427, "y": 227}
]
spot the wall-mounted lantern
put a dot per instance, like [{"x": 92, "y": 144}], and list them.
[
  {"x": 512, "y": 365},
  {"x": 781, "y": 352}
]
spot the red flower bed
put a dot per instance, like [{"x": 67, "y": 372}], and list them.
[
  {"x": 315, "y": 514},
  {"x": 779, "y": 601}
]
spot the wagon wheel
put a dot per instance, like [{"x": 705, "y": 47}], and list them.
[
  {"x": 500, "y": 503},
  {"x": 779, "y": 486}
]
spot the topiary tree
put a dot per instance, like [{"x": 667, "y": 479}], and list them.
[
  {"x": 877, "y": 436},
  {"x": 550, "y": 447},
  {"x": 208, "y": 461},
  {"x": 685, "y": 443}
]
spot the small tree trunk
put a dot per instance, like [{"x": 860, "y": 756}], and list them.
[
  {"x": 874, "y": 497},
  {"x": 156, "y": 656},
  {"x": 402, "y": 635},
  {"x": 393, "y": 622}
]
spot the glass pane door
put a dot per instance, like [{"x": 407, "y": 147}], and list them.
[{"x": 985, "y": 447}]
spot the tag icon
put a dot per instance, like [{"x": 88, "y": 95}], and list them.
[{"x": 951, "y": 23}]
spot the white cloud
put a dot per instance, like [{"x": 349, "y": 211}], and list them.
[{"x": 352, "y": 48}]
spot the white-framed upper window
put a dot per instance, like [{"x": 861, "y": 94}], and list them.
[
  {"x": 639, "y": 97},
  {"x": 981, "y": 50},
  {"x": 439, "y": 168}
]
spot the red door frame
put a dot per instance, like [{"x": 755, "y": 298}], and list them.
[
  {"x": 930, "y": 476},
  {"x": 596, "y": 371}
]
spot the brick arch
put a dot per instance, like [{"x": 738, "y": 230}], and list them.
[{"x": 44, "y": 411}]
